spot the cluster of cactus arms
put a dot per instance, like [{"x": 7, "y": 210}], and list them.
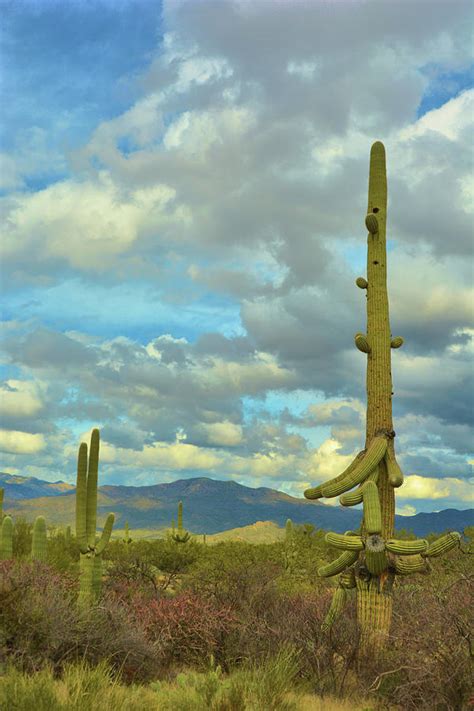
[
  {"x": 371, "y": 558},
  {"x": 180, "y": 536},
  {"x": 86, "y": 518}
]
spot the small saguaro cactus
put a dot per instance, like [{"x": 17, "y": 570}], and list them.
[
  {"x": 86, "y": 519},
  {"x": 6, "y": 530},
  {"x": 290, "y": 547},
  {"x": 39, "y": 545},
  {"x": 126, "y": 538},
  {"x": 181, "y": 536},
  {"x": 1, "y": 504},
  {"x": 372, "y": 558}
]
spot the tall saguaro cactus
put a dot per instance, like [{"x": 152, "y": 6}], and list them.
[
  {"x": 370, "y": 559},
  {"x": 86, "y": 519}
]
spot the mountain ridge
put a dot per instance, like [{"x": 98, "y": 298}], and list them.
[{"x": 210, "y": 506}]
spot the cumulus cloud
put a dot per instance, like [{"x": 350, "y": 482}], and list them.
[
  {"x": 20, "y": 398},
  {"x": 15, "y": 442},
  {"x": 419, "y": 487}
]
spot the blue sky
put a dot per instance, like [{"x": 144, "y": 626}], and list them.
[{"x": 184, "y": 189}]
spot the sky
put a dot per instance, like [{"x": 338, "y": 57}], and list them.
[{"x": 183, "y": 189}]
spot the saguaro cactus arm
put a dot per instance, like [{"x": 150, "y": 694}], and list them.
[
  {"x": 317, "y": 491},
  {"x": 361, "y": 471},
  {"x": 81, "y": 498},
  {"x": 106, "y": 533},
  {"x": 92, "y": 479},
  {"x": 345, "y": 560},
  {"x": 335, "y": 609}
]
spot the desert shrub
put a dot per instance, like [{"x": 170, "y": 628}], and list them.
[
  {"x": 37, "y": 614},
  {"x": 155, "y": 567},
  {"x": 427, "y": 664},
  {"x": 63, "y": 553},
  {"x": 185, "y": 630},
  {"x": 261, "y": 688},
  {"x": 41, "y": 624}
]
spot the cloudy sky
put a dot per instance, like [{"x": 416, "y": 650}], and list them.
[{"x": 183, "y": 193}]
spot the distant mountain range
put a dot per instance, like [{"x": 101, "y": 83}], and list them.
[{"x": 210, "y": 506}]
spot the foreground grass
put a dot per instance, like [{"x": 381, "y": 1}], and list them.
[{"x": 82, "y": 688}]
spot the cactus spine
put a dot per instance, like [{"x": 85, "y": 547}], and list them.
[
  {"x": 375, "y": 469},
  {"x": 7, "y": 538},
  {"x": 86, "y": 519},
  {"x": 39, "y": 546}
]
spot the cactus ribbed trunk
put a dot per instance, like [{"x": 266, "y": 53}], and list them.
[{"x": 374, "y": 604}]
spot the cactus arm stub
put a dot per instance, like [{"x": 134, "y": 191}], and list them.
[{"x": 395, "y": 474}]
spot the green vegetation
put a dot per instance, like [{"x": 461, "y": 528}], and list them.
[{"x": 225, "y": 626}]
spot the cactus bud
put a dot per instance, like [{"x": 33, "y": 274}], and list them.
[
  {"x": 362, "y": 283},
  {"x": 372, "y": 223},
  {"x": 362, "y": 343},
  {"x": 396, "y": 342}
]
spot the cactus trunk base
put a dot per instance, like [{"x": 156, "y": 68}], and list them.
[{"x": 374, "y": 614}]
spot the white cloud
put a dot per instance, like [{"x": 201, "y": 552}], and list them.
[
  {"x": 224, "y": 434},
  {"x": 16, "y": 442},
  {"x": 20, "y": 398},
  {"x": 421, "y": 487}
]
